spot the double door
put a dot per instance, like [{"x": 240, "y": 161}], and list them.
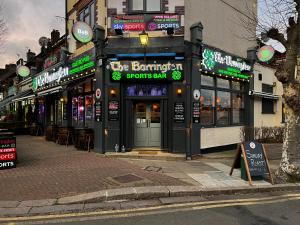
[{"x": 147, "y": 124}]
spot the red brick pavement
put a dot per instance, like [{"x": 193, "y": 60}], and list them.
[{"x": 47, "y": 170}]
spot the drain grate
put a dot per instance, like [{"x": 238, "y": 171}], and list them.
[{"x": 128, "y": 178}]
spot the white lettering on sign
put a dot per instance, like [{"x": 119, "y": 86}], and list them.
[
  {"x": 138, "y": 66},
  {"x": 47, "y": 77},
  {"x": 6, "y": 164}
]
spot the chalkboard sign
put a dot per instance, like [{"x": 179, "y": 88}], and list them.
[
  {"x": 196, "y": 112},
  {"x": 113, "y": 110},
  {"x": 179, "y": 112},
  {"x": 98, "y": 111},
  {"x": 255, "y": 160},
  {"x": 8, "y": 151}
]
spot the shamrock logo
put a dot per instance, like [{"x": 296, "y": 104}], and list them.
[
  {"x": 176, "y": 75},
  {"x": 116, "y": 75},
  {"x": 208, "y": 59}
]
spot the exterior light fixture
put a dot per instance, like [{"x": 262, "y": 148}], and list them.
[
  {"x": 61, "y": 99},
  {"x": 144, "y": 38},
  {"x": 113, "y": 92},
  {"x": 178, "y": 91}
]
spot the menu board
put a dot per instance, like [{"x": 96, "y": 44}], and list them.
[
  {"x": 98, "y": 111},
  {"x": 113, "y": 110},
  {"x": 8, "y": 152},
  {"x": 196, "y": 112},
  {"x": 179, "y": 112},
  {"x": 255, "y": 158}
]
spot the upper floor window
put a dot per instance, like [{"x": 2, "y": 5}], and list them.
[
  {"x": 87, "y": 14},
  {"x": 267, "y": 88},
  {"x": 145, "y": 5}
]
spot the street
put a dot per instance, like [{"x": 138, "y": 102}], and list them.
[{"x": 260, "y": 209}]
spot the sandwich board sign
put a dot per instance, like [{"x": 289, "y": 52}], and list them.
[{"x": 255, "y": 160}]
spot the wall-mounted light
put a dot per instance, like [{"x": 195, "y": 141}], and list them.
[
  {"x": 62, "y": 99},
  {"x": 113, "y": 92},
  {"x": 179, "y": 91},
  {"x": 170, "y": 31},
  {"x": 119, "y": 32},
  {"x": 144, "y": 38}
]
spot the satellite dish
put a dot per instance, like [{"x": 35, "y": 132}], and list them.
[{"x": 43, "y": 41}]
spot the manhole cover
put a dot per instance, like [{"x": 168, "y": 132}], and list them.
[
  {"x": 153, "y": 168},
  {"x": 127, "y": 178}
]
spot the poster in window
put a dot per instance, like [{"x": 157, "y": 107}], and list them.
[
  {"x": 98, "y": 111},
  {"x": 113, "y": 110},
  {"x": 179, "y": 112},
  {"x": 196, "y": 112}
]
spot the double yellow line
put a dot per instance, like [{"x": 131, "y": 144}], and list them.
[{"x": 206, "y": 204}]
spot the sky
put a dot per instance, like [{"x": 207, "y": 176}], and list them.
[{"x": 27, "y": 21}]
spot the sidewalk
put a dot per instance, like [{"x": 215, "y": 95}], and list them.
[{"x": 51, "y": 178}]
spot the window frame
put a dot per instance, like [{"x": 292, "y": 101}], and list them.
[
  {"x": 82, "y": 12},
  {"x": 144, "y": 11},
  {"x": 242, "y": 91}
]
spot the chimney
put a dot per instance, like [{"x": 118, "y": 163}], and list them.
[
  {"x": 30, "y": 56},
  {"x": 55, "y": 35}
]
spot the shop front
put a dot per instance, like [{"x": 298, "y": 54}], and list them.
[
  {"x": 144, "y": 97},
  {"x": 64, "y": 98}
]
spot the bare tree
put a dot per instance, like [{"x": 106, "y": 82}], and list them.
[{"x": 280, "y": 21}]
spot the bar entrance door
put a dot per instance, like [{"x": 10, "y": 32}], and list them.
[{"x": 147, "y": 124}]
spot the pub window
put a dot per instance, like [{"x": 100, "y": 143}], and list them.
[
  {"x": 207, "y": 101},
  {"x": 207, "y": 81},
  {"x": 145, "y": 5},
  {"x": 223, "y": 108},
  {"x": 87, "y": 15},
  {"x": 267, "y": 106},
  {"x": 222, "y": 83},
  {"x": 237, "y": 108}
]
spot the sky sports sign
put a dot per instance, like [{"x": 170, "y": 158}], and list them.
[
  {"x": 146, "y": 22},
  {"x": 8, "y": 152}
]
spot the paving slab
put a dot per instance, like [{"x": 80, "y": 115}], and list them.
[
  {"x": 56, "y": 209},
  {"x": 102, "y": 206},
  {"x": 152, "y": 192},
  {"x": 182, "y": 199},
  {"x": 122, "y": 193},
  {"x": 88, "y": 197},
  {"x": 9, "y": 204},
  {"x": 139, "y": 204},
  {"x": 14, "y": 211},
  {"x": 44, "y": 202}
]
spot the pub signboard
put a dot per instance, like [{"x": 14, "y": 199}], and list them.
[
  {"x": 254, "y": 160},
  {"x": 135, "y": 71},
  {"x": 148, "y": 22},
  {"x": 8, "y": 152},
  {"x": 218, "y": 62}
]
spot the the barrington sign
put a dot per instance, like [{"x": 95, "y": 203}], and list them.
[
  {"x": 141, "y": 71},
  {"x": 8, "y": 152}
]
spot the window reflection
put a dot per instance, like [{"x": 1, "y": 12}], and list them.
[
  {"x": 223, "y": 108},
  {"x": 207, "y": 101},
  {"x": 146, "y": 90}
]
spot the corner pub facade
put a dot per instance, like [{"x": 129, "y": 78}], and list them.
[{"x": 168, "y": 93}]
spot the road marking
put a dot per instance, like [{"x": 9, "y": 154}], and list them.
[{"x": 143, "y": 211}]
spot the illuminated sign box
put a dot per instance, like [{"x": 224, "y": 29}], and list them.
[
  {"x": 152, "y": 71},
  {"x": 221, "y": 63},
  {"x": 8, "y": 152},
  {"x": 77, "y": 68},
  {"x": 146, "y": 22}
]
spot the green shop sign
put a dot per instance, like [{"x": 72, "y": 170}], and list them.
[
  {"x": 219, "y": 62},
  {"x": 153, "y": 71},
  {"x": 82, "y": 64}
]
